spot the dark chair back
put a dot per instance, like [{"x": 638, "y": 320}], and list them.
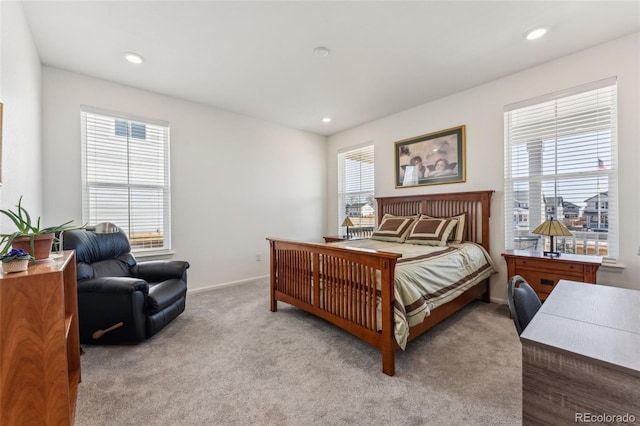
[
  {"x": 523, "y": 302},
  {"x": 100, "y": 255}
]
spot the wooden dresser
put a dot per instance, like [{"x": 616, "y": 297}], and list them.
[
  {"x": 39, "y": 343},
  {"x": 543, "y": 273}
]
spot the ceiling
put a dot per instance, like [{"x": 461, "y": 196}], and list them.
[{"x": 256, "y": 57}]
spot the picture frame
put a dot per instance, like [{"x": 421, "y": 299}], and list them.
[{"x": 431, "y": 159}]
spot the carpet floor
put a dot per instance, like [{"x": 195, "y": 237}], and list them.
[{"x": 228, "y": 360}]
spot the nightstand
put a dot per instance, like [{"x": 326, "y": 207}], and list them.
[
  {"x": 543, "y": 273},
  {"x": 333, "y": 238},
  {"x": 336, "y": 238}
]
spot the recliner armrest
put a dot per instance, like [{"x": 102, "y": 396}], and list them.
[
  {"x": 113, "y": 285},
  {"x": 164, "y": 294},
  {"x": 159, "y": 270}
]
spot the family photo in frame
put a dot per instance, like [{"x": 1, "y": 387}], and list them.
[{"x": 431, "y": 159}]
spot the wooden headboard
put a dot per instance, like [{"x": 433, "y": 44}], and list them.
[{"x": 476, "y": 204}]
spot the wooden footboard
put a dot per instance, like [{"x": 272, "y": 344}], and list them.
[{"x": 340, "y": 284}]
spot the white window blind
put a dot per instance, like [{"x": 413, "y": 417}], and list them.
[
  {"x": 125, "y": 176},
  {"x": 561, "y": 161},
  {"x": 356, "y": 195}
]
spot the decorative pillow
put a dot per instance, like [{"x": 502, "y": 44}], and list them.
[
  {"x": 394, "y": 228},
  {"x": 457, "y": 234},
  {"x": 431, "y": 231}
]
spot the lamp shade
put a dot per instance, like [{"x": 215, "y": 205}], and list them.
[
  {"x": 552, "y": 227},
  {"x": 347, "y": 222}
]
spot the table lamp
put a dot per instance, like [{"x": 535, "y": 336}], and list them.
[
  {"x": 552, "y": 228},
  {"x": 347, "y": 223}
]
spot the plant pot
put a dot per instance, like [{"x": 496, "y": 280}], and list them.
[
  {"x": 42, "y": 245},
  {"x": 16, "y": 265}
]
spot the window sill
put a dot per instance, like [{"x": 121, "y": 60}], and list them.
[
  {"x": 153, "y": 254},
  {"x": 617, "y": 267}
]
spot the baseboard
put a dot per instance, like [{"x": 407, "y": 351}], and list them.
[
  {"x": 498, "y": 301},
  {"x": 228, "y": 284}
]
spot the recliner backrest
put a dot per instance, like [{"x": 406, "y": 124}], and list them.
[
  {"x": 523, "y": 302},
  {"x": 100, "y": 255}
]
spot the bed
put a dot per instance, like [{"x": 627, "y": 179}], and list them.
[{"x": 356, "y": 284}]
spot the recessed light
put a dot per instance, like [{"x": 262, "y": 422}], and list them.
[
  {"x": 134, "y": 58},
  {"x": 535, "y": 33},
  {"x": 326, "y": 119},
  {"x": 321, "y": 51}
]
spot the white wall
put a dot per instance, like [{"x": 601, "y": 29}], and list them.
[
  {"x": 259, "y": 179},
  {"x": 235, "y": 180},
  {"x": 481, "y": 110},
  {"x": 20, "y": 93}
]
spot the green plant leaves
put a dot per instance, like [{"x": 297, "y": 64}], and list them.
[{"x": 22, "y": 221}]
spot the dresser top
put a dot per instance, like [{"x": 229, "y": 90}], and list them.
[
  {"x": 55, "y": 263},
  {"x": 564, "y": 257}
]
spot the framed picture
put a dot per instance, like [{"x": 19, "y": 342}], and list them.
[{"x": 431, "y": 159}]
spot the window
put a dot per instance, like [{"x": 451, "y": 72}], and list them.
[
  {"x": 129, "y": 128},
  {"x": 560, "y": 161},
  {"x": 125, "y": 176},
  {"x": 356, "y": 197}
]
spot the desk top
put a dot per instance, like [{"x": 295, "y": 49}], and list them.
[{"x": 598, "y": 322}]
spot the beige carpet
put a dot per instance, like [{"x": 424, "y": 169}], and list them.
[{"x": 228, "y": 360}]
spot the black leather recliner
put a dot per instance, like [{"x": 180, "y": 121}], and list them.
[{"x": 119, "y": 299}]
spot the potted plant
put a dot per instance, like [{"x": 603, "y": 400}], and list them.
[
  {"x": 30, "y": 237},
  {"x": 17, "y": 260}
]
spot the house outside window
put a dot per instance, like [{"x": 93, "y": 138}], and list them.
[
  {"x": 356, "y": 194},
  {"x": 125, "y": 176},
  {"x": 561, "y": 162}
]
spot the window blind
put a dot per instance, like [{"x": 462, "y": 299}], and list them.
[
  {"x": 125, "y": 176},
  {"x": 356, "y": 195},
  {"x": 561, "y": 161}
]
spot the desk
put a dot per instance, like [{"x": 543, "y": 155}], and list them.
[{"x": 581, "y": 356}]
